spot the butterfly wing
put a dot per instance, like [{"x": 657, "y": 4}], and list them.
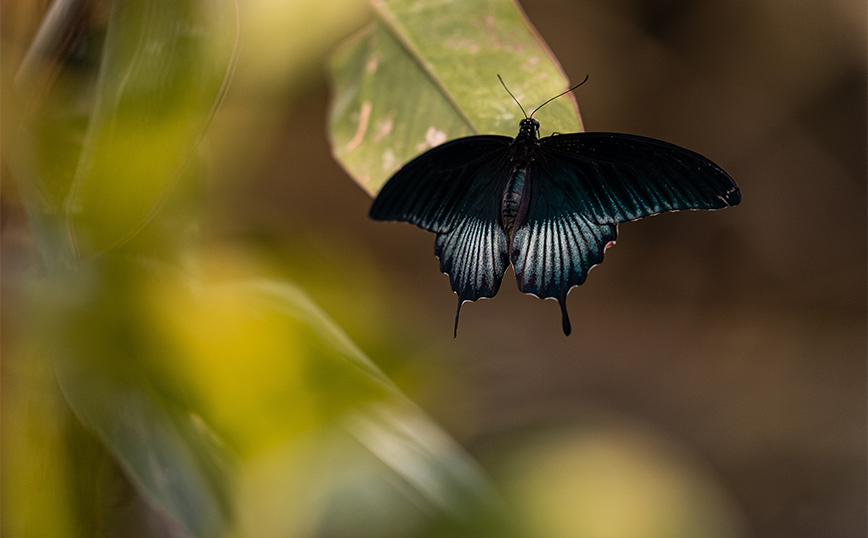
[
  {"x": 614, "y": 177},
  {"x": 475, "y": 253},
  {"x": 443, "y": 183},
  {"x": 455, "y": 190},
  {"x": 554, "y": 246}
]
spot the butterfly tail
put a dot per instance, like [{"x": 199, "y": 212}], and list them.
[
  {"x": 566, "y": 317},
  {"x": 457, "y": 313}
]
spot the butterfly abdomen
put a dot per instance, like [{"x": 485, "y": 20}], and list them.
[
  {"x": 512, "y": 199},
  {"x": 521, "y": 154}
]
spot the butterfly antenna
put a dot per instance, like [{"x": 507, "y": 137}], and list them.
[
  {"x": 511, "y": 95},
  {"x": 555, "y": 97}
]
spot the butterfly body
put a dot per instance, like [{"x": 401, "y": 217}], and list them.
[
  {"x": 521, "y": 151},
  {"x": 550, "y": 206},
  {"x": 512, "y": 200}
]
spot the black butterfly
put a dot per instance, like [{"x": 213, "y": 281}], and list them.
[{"x": 549, "y": 205}]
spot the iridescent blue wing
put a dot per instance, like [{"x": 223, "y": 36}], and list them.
[
  {"x": 443, "y": 183},
  {"x": 455, "y": 189},
  {"x": 614, "y": 178},
  {"x": 474, "y": 252},
  {"x": 554, "y": 246}
]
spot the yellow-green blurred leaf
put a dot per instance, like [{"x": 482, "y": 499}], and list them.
[
  {"x": 94, "y": 332},
  {"x": 258, "y": 359},
  {"x": 426, "y": 72},
  {"x": 164, "y": 66},
  {"x": 193, "y": 381}
]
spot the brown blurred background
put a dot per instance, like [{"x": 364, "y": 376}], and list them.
[{"x": 739, "y": 334}]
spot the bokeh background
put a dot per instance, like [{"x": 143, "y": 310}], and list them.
[{"x": 717, "y": 361}]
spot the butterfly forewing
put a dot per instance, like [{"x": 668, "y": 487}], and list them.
[
  {"x": 443, "y": 183},
  {"x": 618, "y": 177}
]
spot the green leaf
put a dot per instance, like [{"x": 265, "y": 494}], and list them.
[
  {"x": 164, "y": 66},
  {"x": 90, "y": 323},
  {"x": 195, "y": 385},
  {"x": 170, "y": 454},
  {"x": 424, "y": 73}
]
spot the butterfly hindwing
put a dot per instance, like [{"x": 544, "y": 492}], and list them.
[
  {"x": 434, "y": 188},
  {"x": 554, "y": 246},
  {"x": 618, "y": 177},
  {"x": 474, "y": 253}
]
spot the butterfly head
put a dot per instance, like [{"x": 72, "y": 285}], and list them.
[{"x": 528, "y": 128}]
